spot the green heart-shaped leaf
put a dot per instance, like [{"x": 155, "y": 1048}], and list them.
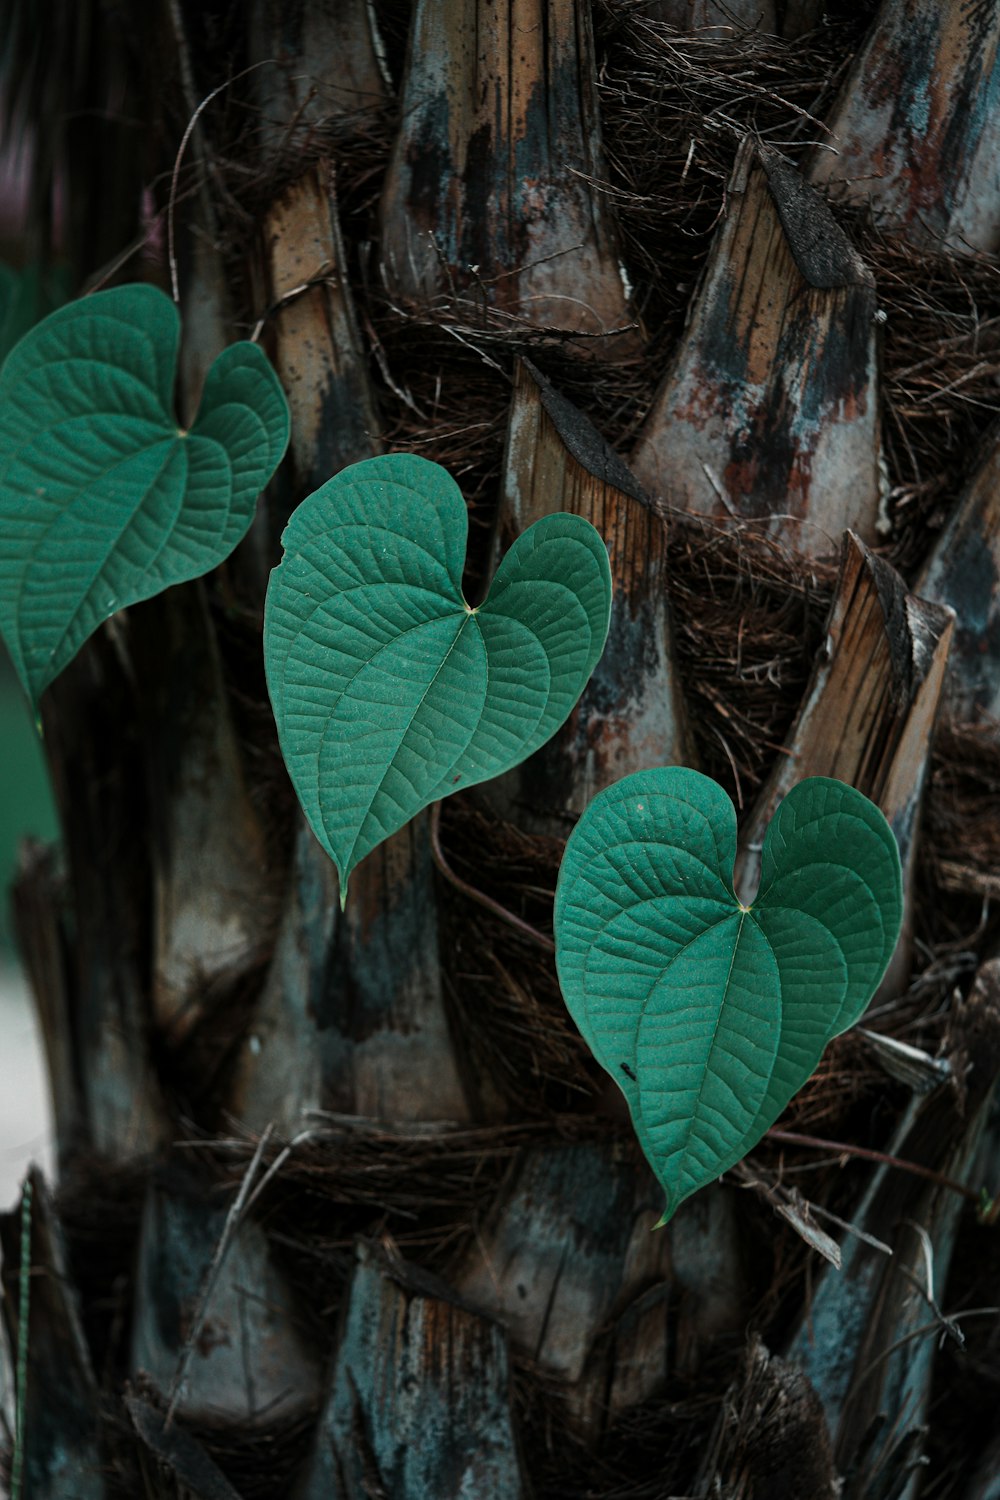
[
  {"x": 103, "y": 499},
  {"x": 710, "y": 1015},
  {"x": 388, "y": 690}
]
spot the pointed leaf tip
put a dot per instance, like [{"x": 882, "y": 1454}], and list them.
[
  {"x": 710, "y": 1015},
  {"x": 388, "y": 691},
  {"x": 103, "y": 500}
]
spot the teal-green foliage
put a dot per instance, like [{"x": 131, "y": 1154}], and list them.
[
  {"x": 710, "y": 1015},
  {"x": 103, "y": 499},
  {"x": 389, "y": 691}
]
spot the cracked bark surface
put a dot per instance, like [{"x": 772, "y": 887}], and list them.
[
  {"x": 768, "y": 412},
  {"x": 490, "y": 189},
  {"x": 867, "y": 716},
  {"x": 916, "y": 130},
  {"x": 632, "y": 713}
]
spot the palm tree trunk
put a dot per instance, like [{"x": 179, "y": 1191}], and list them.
[{"x": 344, "y": 1208}]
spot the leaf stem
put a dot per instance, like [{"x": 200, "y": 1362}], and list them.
[
  {"x": 437, "y": 853},
  {"x": 792, "y": 1138}
]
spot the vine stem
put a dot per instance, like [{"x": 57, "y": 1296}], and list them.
[
  {"x": 438, "y": 855},
  {"x": 841, "y": 1148},
  {"x": 23, "y": 1312}
]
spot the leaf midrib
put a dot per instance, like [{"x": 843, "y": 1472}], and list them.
[
  {"x": 707, "y": 1071},
  {"x": 649, "y": 900},
  {"x": 674, "y": 957},
  {"x": 471, "y": 619},
  {"x": 128, "y": 520},
  {"x": 348, "y": 863}
]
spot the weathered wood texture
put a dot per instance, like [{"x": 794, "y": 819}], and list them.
[
  {"x": 489, "y": 188},
  {"x": 196, "y": 267},
  {"x": 212, "y": 887},
  {"x": 916, "y": 130},
  {"x": 589, "y": 1255},
  {"x": 632, "y": 714},
  {"x": 252, "y": 1361},
  {"x": 419, "y": 1403},
  {"x": 708, "y": 1269},
  {"x": 352, "y": 1017},
  {"x": 867, "y": 1342},
  {"x": 206, "y": 848},
  {"x": 278, "y": 1073},
  {"x": 769, "y": 409},
  {"x": 868, "y": 714},
  {"x": 61, "y": 1428},
  {"x": 99, "y": 788},
  {"x": 592, "y": 1296},
  {"x": 963, "y": 571},
  {"x": 205, "y": 305},
  {"x": 317, "y": 348},
  {"x": 321, "y": 73}
]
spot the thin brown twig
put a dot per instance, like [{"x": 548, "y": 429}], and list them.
[
  {"x": 792, "y": 1138},
  {"x": 175, "y": 174},
  {"x": 437, "y": 853},
  {"x": 229, "y": 1228}
]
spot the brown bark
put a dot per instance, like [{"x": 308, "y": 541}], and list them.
[
  {"x": 963, "y": 572},
  {"x": 317, "y": 348},
  {"x": 868, "y": 714},
  {"x": 769, "y": 409},
  {"x": 251, "y": 1363},
  {"x": 868, "y": 1341},
  {"x": 352, "y": 1018},
  {"x": 322, "y": 70},
  {"x": 589, "y": 1256},
  {"x": 98, "y": 782},
  {"x": 212, "y": 885},
  {"x": 916, "y": 130},
  {"x": 491, "y": 185},
  {"x": 770, "y": 1437},
  {"x": 419, "y": 1403},
  {"x": 632, "y": 714}
]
